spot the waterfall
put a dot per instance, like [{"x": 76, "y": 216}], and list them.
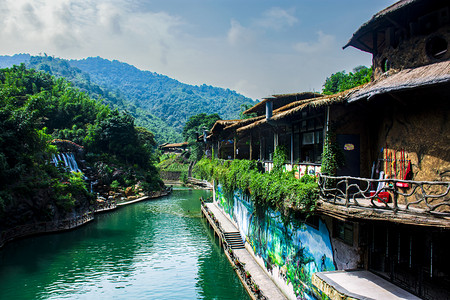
[{"x": 68, "y": 159}]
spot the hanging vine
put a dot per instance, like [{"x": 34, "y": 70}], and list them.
[
  {"x": 279, "y": 190},
  {"x": 332, "y": 156}
]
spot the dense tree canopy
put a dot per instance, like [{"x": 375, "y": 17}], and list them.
[
  {"x": 35, "y": 109},
  {"x": 196, "y": 124},
  {"x": 340, "y": 81}
]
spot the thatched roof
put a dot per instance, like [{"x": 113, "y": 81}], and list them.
[
  {"x": 296, "y": 107},
  {"x": 408, "y": 79},
  {"x": 244, "y": 122},
  {"x": 221, "y": 124},
  {"x": 398, "y": 14},
  {"x": 252, "y": 125},
  {"x": 258, "y": 107},
  {"x": 280, "y": 100},
  {"x": 176, "y": 145},
  {"x": 318, "y": 102}
]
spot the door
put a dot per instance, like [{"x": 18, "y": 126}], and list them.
[{"x": 349, "y": 144}]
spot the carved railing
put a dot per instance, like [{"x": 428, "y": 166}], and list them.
[{"x": 392, "y": 194}]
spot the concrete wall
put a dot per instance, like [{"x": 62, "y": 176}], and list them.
[
  {"x": 291, "y": 251},
  {"x": 409, "y": 53}
]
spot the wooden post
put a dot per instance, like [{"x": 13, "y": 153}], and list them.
[
  {"x": 251, "y": 146},
  {"x": 346, "y": 192},
  {"x": 292, "y": 146},
  {"x": 395, "y": 196},
  {"x": 234, "y": 144},
  {"x": 261, "y": 156}
]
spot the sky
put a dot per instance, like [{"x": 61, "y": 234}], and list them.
[{"x": 255, "y": 47}]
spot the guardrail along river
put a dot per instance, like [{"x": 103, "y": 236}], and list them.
[{"x": 156, "y": 249}]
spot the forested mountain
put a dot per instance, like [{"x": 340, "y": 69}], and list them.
[
  {"x": 62, "y": 68},
  {"x": 8, "y": 61},
  {"x": 162, "y": 96},
  {"x": 157, "y": 102}
]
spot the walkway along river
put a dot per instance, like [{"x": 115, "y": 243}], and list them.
[{"x": 156, "y": 249}]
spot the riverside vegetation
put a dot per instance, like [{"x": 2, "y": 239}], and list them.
[
  {"x": 35, "y": 110},
  {"x": 276, "y": 189}
]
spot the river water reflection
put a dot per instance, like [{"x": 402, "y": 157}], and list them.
[{"x": 157, "y": 249}]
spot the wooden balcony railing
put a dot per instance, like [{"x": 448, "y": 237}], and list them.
[{"x": 416, "y": 197}]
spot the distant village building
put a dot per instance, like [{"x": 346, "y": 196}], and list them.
[
  {"x": 173, "y": 148},
  {"x": 388, "y": 208}
]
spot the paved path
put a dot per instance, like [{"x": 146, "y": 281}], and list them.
[
  {"x": 358, "y": 284},
  {"x": 266, "y": 285}
]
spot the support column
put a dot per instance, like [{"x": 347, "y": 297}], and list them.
[
  {"x": 251, "y": 146},
  {"x": 218, "y": 150},
  {"x": 234, "y": 146},
  {"x": 275, "y": 140},
  {"x": 292, "y": 146},
  {"x": 261, "y": 156}
]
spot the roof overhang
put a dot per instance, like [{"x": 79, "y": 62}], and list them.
[{"x": 407, "y": 79}]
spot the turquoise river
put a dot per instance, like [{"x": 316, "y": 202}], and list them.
[{"x": 156, "y": 249}]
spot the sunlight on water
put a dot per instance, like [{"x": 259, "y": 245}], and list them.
[{"x": 158, "y": 249}]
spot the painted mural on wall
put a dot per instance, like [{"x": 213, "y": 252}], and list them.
[{"x": 290, "y": 250}]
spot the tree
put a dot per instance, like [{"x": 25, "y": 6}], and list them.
[
  {"x": 340, "y": 81},
  {"x": 244, "y": 107},
  {"x": 197, "y": 123},
  {"x": 193, "y": 128}
]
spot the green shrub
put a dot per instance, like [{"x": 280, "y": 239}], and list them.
[{"x": 277, "y": 189}]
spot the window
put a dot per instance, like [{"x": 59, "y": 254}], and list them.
[
  {"x": 308, "y": 136},
  {"x": 343, "y": 231},
  {"x": 436, "y": 47}
]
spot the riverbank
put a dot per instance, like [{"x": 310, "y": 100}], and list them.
[
  {"x": 27, "y": 230},
  {"x": 44, "y": 227}
]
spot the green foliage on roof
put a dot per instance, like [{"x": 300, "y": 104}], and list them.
[{"x": 340, "y": 81}]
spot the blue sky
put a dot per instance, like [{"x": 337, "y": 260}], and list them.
[{"x": 257, "y": 48}]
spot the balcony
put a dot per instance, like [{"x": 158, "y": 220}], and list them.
[{"x": 403, "y": 201}]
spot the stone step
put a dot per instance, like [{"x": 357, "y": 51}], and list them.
[{"x": 234, "y": 240}]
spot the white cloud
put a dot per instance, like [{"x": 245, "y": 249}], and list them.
[
  {"x": 323, "y": 44},
  {"x": 79, "y": 28},
  {"x": 110, "y": 16},
  {"x": 239, "y": 35},
  {"x": 276, "y": 18},
  {"x": 250, "y": 56}
]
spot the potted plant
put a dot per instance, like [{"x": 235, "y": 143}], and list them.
[{"x": 255, "y": 288}]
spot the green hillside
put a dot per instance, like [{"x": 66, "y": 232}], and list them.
[
  {"x": 62, "y": 68},
  {"x": 158, "y": 103},
  {"x": 167, "y": 98}
]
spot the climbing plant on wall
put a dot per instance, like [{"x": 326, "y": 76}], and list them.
[
  {"x": 332, "y": 156},
  {"x": 279, "y": 158},
  {"x": 279, "y": 190}
]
